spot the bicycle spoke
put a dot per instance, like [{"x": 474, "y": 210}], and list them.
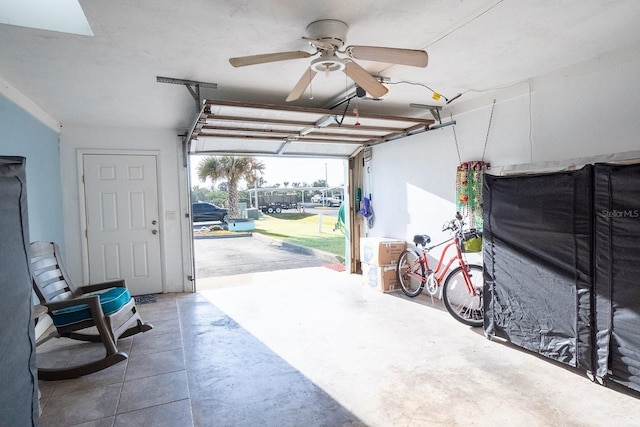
[
  {"x": 464, "y": 306},
  {"x": 410, "y": 272}
]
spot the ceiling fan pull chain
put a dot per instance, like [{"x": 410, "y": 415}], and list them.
[{"x": 486, "y": 140}]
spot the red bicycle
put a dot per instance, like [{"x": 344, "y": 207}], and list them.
[{"x": 461, "y": 287}]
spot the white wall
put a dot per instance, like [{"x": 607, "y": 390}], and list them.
[
  {"x": 172, "y": 177},
  {"x": 585, "y": 110}
]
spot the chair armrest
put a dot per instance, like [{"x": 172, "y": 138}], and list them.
[
  {"x": 102, "y": 286},
  {"x": 91, "y": 301}
]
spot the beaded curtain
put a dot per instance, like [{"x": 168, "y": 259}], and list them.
[{"x": 469, "y": 191}]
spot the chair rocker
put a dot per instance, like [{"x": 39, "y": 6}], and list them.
[{"x": 108, "y": 307}]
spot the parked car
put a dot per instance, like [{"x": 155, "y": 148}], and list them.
[
  {"x": 208, "y": 212},
  {"x": 331, "y": 201}
]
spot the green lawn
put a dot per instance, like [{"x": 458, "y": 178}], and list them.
[{"x": 302, "y": 229}]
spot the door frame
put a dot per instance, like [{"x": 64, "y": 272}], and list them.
[{"x": 82, "y": 203}]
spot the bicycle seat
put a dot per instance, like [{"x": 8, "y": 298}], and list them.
[{"x": 421, "y": 240}]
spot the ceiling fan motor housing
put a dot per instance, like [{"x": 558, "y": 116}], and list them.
[{"x": 328, "y": 31}]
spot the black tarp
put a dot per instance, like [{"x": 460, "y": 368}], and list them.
[
  {"x": 617, "y": 272},
  {"x": 538, "y": 263}
]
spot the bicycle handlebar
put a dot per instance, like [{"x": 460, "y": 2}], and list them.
[
  {"x": 455, "y": 224},
  {"x": 449, "y": 225}
]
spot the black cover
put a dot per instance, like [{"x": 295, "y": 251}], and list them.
[
  {"x": 18, "y": 389},
  {"x": 538, "y": 263},
  {"x": 617, "y": 272}
]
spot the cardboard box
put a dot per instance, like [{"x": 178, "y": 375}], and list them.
[
  {"x": 381, "y": 250},
  {"x": 382, "y": 278}
]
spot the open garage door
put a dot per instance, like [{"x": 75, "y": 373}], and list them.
[
  {"x": 246, "y": 129},
  {"x": 235, "y": 128}
]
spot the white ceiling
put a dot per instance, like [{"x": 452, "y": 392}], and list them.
[{"x": 110, "y": 78}]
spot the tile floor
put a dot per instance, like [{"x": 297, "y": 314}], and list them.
[
  {"x": 314, "y": 347},
  {"x": 196, "y": 367}
]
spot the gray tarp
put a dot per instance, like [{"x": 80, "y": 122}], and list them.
[
  {"x": 18, "y": 390},
  {"x": 617, "y": 273},
  {"x": 538, "y": 263},
  {"x": 562, "y": 267}
]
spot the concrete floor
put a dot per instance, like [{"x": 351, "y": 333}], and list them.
[
  {"x": 393, "y": 361},
  {"x": 314, "y": 347}
]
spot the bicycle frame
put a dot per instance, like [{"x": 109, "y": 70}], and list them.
[
  {"x": 463, "y": 302},
  {"x": 442, "y": 269}
]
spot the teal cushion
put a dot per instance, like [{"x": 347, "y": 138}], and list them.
[{"x": 111, "y": 301}]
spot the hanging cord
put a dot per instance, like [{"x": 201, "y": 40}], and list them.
[
  {"x": 370, "y": 220},
  {"x": 369, "y": 180},
  {"x": 486, "y": 140},
  {"x": 455, "y": 137}
]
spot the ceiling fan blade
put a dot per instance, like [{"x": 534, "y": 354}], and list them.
[
  {"x": 242, "y": 61},
  {"x": 302, "y": 85},
  {"x": 365, "y": 80},
  {"x": 391, "y": 55}
]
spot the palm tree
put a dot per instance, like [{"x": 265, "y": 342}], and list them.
[{"x": 232, "y": 169}]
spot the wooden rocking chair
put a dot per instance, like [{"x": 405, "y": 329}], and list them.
[{"x": 106, "y": 306}]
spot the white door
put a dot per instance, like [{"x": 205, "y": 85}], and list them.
[{"x": 121, "y": 196}]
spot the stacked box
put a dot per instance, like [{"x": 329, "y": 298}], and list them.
[
  {"x": 379, "y": 257},
  {"x": 381, "y": 250},
  {"x": 382, "y": 278}
]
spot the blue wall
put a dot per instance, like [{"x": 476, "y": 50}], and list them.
[{"x": 23, "y": 135}]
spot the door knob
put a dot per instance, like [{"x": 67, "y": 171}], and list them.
[
  {"x": 154, "y": 222},
  {"x": 154, "y": 231}
]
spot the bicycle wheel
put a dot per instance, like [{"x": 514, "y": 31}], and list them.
[
  {"x": 410, "y": 272},
  {"x": 463, "y": 306}
]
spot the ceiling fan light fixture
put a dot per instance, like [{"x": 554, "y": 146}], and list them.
[{"x": 327, "y": 64}]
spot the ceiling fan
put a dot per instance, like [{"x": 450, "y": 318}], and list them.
[{"x": 328, "y": 36}]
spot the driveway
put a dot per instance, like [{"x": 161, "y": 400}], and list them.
[
  {"x": 239, "y": 255},
  {"x": 316, "y": 208}
]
